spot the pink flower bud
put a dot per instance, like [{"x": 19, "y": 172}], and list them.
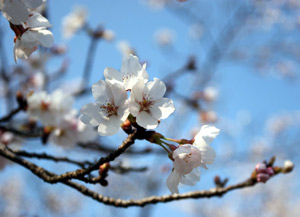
[
  {"x": 261, "y": 168},
  {"x": 270, "y": 171},
  {"x": 262, "y": 177}
]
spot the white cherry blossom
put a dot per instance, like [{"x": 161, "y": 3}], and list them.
[
  {"x": 131, "y": 71},
  {"x": 33, "y": 35},
  {"x": 188, "y": 158},
  {"x": 17, "y": 11},
  {"x": 49, "y": 109},
  {"x": 110, "y": 109},
  {"x": 148, "y": 105}
]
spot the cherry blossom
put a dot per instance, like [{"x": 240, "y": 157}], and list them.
[
  {"x": 73, "y": 22},
  {"x": 32, "y": 34},
  {"x": 71, "y": 130},
  {"x": 110, "y": 109},
  {"x": 131, "y": 71},
  {"x": 16, "y": 11},
  {"x": 148, "y": 105},
  {"x": 49, "y": 109},
  {"x": 188, "y": 158}
]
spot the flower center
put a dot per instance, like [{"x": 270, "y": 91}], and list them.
[
  {"x": 187, "y": 157},
  {"x": 145, "y": 105},
  {"x": 109, "y": 109},
  {"x": 45, "y": 106}
]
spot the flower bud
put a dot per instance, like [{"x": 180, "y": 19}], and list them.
[
  {"x": 103, "y": 169},
  {"x": 288, "y": 166},
  {"x": 262, "y": 177}
]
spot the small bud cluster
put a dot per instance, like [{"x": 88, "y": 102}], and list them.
[{"x": 263, "y": 173}]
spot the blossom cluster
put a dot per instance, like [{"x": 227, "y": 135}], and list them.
[
  {"x": 146, "y": 102},
  {"x": 263, "y": 172},
  {"x": 30, "y": 26},
  {"x": 55, "y": 111}
]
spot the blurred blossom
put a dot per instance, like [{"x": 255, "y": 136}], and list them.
[
  {"x": 208, "y": 116},
  {"x": 196, "y": 31},
  {"x": 37, "y": 81},
  {"x": 73, "y": 21},
  {"x": 277, "y": 124},
  {"x": 108, "y": 35},
  {"x": 157, "y": 4},
  {"x": 71, "y": 130},
  {"x": 286, "y": 69},
  {"x": 49, "y": 108},
  {"x": 164, "y": 37},
  {"x": 210, "y": 94},
  {"x": 6, "y": 137},
  {"x": 125, "y": 48}
]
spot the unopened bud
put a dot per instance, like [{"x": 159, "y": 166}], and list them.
[
  {"x": 173, "y": 147},
  {"x": 21, "y": 100},
  {"x": 103, "y": 169},
  {"x": 126, "y": 126},
  {"x": 288, "y": 166},
  {"x": 262, "y": 177}
]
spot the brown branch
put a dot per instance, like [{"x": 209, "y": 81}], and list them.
[
  {"x": 104, "y": 148},
  {"x": 10, "y": 115},
  {"x": 27, "y": 134},
  {"x": 47, "y": 175},
  {"x": 80, "y": 173},
  {"x": 43, "y": 156}
]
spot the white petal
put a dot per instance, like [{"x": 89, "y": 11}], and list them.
[
  {"x": 156, "y": 89},
  {"x": 130, "y": 65},
  {"x": 112, "y": 75},
  {"x": 37, "y": 20},
  {"x": 134, "y": 108},
  {"x": 186, "y": 158},
  {"x": 192, "y": 178},
  {"x": 91, "y": 114},
  {"x": 173, "y": 182},
  {"x": 123, "y": 112},
  {"x": 15, "y": 11},
  {"x": 162, "y": 108},
  {"x": 110, "y": 126},
  {"x": 32, "y": 3},
  {"x": 102, "y": 92},
  {"x": 145, "y": 120},
  {"x": 208, "y": 133},
  {"x": 208, "y": 155},
  {"x": 132, "y": 71},
  {"x": 137, "y": 91},
  {"x": 119, "y": 94},
  {"x": 45, "y": 38}
]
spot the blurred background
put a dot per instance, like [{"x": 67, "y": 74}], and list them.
[{"x": 232, "y": 64}]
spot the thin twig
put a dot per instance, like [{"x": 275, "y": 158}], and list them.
[{"x": 9, "y": 116}]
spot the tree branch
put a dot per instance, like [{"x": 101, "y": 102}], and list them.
[{"x": 48, "y": 176}]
